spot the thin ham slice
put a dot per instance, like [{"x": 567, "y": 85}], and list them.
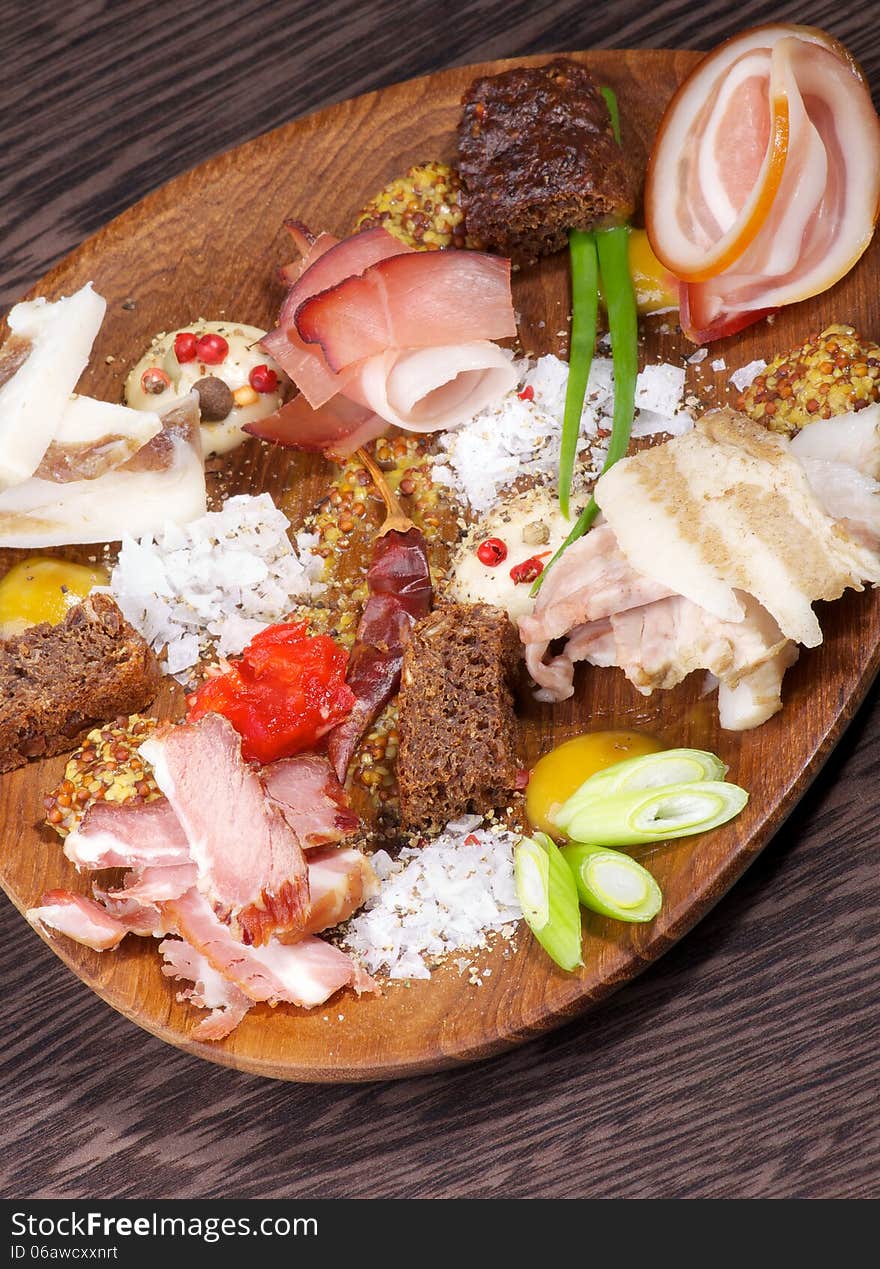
[
  {"x": 250, "y": 863},
  {"x": 208, "y": 990},
  {"x": 337, "y": 428},
  {"x": 328, "y": 263},
  {"x": 413, "y": 300},
  {"x": 433, "y": 389},
  {"x": 305, "y": 973},
  {"x": 81, "y": 919},
  {"x": 154, "y": 885},
  {"x": 124, "y": 835},
  {"x": 311, "y": 799}
]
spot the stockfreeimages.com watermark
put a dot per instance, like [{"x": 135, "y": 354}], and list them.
[{"x": 97, "y": 1225}]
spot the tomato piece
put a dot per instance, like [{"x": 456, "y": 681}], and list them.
[{"x": 283, "y": 695}]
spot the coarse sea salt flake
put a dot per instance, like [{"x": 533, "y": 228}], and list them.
[
  {"x": 439, "y": 898},
  {"x": 747, "y": 374},
  {"x": 225, "y": 576}
]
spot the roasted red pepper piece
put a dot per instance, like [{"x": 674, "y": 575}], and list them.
[
  {"x": 285, "y": 693},
  {"x": 399, "y": 585}
]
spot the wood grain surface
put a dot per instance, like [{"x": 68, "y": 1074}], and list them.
[{"x": 743, "y": 1064}]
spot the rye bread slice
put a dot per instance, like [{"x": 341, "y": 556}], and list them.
[
  {"x": 457, "y": 727},
  {"x": 537, "y": 157},
  {"x": 58, "y": 681}
]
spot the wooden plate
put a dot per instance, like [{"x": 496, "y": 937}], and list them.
[{"x": 207, "y": 245}]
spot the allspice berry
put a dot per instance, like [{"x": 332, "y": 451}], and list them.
[{"x": 215, "y": 398}]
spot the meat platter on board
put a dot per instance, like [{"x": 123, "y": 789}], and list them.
[{"x": 333, "y": 887}]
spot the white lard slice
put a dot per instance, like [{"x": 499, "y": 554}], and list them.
[
  {"x": 164, "y": 482},
  {"x": 39, "y": 367}
]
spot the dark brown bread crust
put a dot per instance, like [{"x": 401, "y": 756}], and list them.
[
  {"x": 57, "y": 681},
  {"x": 457, "y": 726},
  {"x": 537, "y": 157}
]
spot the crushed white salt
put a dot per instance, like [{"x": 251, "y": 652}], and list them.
[
  {"x": 747, "y": 374},
  {"x": 696, "y": 357},
  {"x": 719, "y": 364},
  {"x": 517, "y": 437},
  {"x": 435, "y": 899},
  {"x": 223, "y": 577}
]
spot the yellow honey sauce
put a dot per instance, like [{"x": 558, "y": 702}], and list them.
[
  {"x": 564, "y": 769},
  {"x": 43, "y": 589}
]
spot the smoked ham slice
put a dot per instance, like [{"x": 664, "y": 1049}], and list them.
[
  {"x": 337, "y": 428},
  {"x": 209, "y": 990},
  {"x": 328, "y": 263},
  {"x": 125, "y": 835},
  {"x": 311, "y": 799},
  {"x": 250, "y": 863},
  {"x": 305, "y": 973},
  {"x": 81, "y": 919},
  {"x": 764, "y": 183},
  {"x": 412, "y": 300}
]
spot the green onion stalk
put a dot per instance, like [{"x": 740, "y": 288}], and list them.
[{"x": 609, "y": 249}]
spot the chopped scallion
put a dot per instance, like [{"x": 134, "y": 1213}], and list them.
[
  {"x": 547, "y": 893},
  {"x": 653, "y": 771},
  {"x": 613, "y": 884},
  {"x": 650, "y": 815},
  {"x": 584, "y": 261}
]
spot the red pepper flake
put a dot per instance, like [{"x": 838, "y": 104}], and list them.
[
  {"x": 185, "y": 346},
  {"x": 492, "y": 552},
  {"x": 286, "y": 691},
  {"x": 154, "y": 381},
  {"x": 472, "y": 840},
  {"x": 262, "y": 379},
  {"x": 523, "y": 776},
  {"x": 527, "y": 394},
  {"x": 530, "y": 569},
  {"x": 212, "y": 349}
]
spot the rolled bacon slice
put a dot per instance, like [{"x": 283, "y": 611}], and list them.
[
  {"x": 412, "y": 300},
  {"x": 764, "y": 183},
  {"x": 250, "y": 863}
]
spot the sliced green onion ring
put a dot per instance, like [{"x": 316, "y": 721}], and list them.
[
  {"x": 653, "y": 771},
  {"x": 654, "y": 815},
  {"x": 613, "y": 884},
  {"x": 547, "y": 893}
]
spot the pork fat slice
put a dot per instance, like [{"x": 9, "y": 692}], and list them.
[
  {"x": 729, "y": 508},
  {"x": 81, "y": 919},
  {"x": 250, "y": 863},
  {"x": 39, "y": 367},
  {"x": 164, "y": 481}
]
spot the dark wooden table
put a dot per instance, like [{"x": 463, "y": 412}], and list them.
[{"x": 746, "y": 1062}]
